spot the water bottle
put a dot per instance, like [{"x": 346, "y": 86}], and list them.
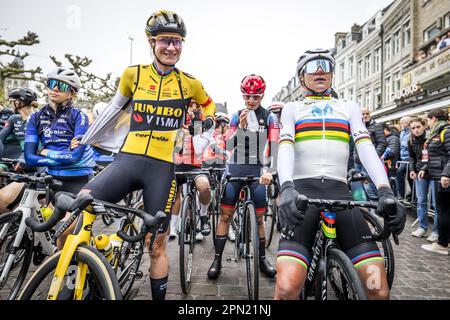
[
  {"x": 103, "y": 244},
  {"x": 116, "y": 243},
  {"x": 46, "y": 212}
]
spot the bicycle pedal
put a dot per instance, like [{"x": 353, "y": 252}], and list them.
[
  {"x": 230, "y": 259},
  {"x": 139, "y": 275}
]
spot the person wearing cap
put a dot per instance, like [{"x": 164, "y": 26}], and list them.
[
  {"x": 50, "y": 132},
  {"x": 156, "y": 95},
  {"x": 312, "y": 160}
]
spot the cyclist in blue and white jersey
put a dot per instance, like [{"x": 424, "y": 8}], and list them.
[{"x": 54, "y": 127}]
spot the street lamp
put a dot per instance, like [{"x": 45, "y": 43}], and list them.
[{"x": 131, "y": 49}]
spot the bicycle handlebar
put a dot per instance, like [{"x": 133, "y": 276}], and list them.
[
  {"x": 302, "y": 203},
  {"x": 64, "y": 202},
  {"x": 47, "y": 179},
  {"x": 149, "y": 222}
]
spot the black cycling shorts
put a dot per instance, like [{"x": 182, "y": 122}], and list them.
[
  {"x": 352, "y": 231},
  {"x": 232, "y": 189},
  {"x": 129, "y": 172}
]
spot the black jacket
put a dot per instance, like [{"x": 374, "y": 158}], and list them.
[
  {"x": 393, "y": 141},
  {"x": 415, "y": 147},
  {"x": 378, "y": 139},
  {"x": 438, "y": 146}
]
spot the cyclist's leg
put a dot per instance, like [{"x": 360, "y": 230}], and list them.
[
  {"x": 364, "y": 254},
  {"x": 204, "y": 196},
  {"x": 259, "y": 199},
  {"x": 294, "y": 257},
  {"x": 159, "y": 194},
  {"x": 10, "y": 196}
]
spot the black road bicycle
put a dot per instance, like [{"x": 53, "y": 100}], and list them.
[
  {"x": 331, "y": 273},
  {"x": 245, "y": 228},
  {"x": 189, "y": 225},
  {"x": 216, "y": 195}
]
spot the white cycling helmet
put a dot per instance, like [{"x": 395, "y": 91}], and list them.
[
  {"x": 98, "y": 109},
  {"x": 222, "y": 117},
  {"x": 66, "y": 75},
  {"x": 310, "y": 55}
]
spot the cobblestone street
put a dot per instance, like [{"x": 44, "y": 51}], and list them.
[{"x": 419, "y": 275}]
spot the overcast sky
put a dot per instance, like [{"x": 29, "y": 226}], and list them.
[{"x": 226, "y": 40}]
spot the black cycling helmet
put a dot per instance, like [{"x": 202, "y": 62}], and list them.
[
  {"x": 165, "y": 21},
  {"x": 25, "y": 95},
  {"x": 222, "y": 117}
]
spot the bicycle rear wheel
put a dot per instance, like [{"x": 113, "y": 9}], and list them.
[
  {"x": 187, "y": 240},
  {"x": 9, "y": 225},
  {"x": 343, "y": 277},
  {"x": 386, "y": 246},
  {"x": 100, "y": 284},
  {"x": 251, "y": 251}
]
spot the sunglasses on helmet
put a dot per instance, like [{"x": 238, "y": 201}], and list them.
[
  {"x": 313, "y": 66},
  {"x": 62, "y": 86}
]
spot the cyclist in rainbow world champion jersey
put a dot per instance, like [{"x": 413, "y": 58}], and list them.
[
  {"x": 159, "y": 94},
  {"x": 312, "y": 160}
]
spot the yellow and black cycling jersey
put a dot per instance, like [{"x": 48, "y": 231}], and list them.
[{"x": 158, "y": 108}]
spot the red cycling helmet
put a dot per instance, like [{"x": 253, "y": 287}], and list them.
[{"x": 253, "y": 84}]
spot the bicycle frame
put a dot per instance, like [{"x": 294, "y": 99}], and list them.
[
  {"x": 324, "y": 240},
  {"x": 81, "y": 235},
  {"x": 29, "y": 205}
]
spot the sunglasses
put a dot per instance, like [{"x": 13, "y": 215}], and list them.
[
  {"x": 255, "y": 97},
  {"x": 313, "y": 66},
  {"x": 62, "y": 86},
  {"x": 166, "y": 41}
]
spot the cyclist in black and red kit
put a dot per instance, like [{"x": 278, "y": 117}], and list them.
[{"x": 251, "y": 129}]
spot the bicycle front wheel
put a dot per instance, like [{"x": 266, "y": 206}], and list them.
[
  {"x": 129, "y": 256},
  {"x": 9, "y": 225},
  {"x": 251, "y": 251},
  {"x": 343, "y": 277},
  {"x": 386, "y": 246},
  {"x": 100, "y": 284},
  {"x": 186, "y": 240}
]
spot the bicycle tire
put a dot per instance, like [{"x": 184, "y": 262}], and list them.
[
  {"x": 98, "y": 266},
  {"x": 212, "y": 213},
  {"x": 348, "y": 276},
  {"x": 273, "y": 220},
  {"x": 251, "y": 251},
  {"x": 388, "y": 251},
  {"x": 24, "y": 259},
  {"x": 187, "y": 236}
]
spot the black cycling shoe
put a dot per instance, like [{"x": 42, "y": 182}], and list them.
[
  {"x": 214, "y": 270},
  {"x": 267, "y": 268},
  {"x": 205, "y": 225}
]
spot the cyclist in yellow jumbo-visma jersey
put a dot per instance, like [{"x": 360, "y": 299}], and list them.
[
  {"x": 159, "y": 94},
  {"x": 158, "y": 108}
]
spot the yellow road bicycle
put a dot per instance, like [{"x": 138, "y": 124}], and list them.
[{"x": 79, "y": 271}]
